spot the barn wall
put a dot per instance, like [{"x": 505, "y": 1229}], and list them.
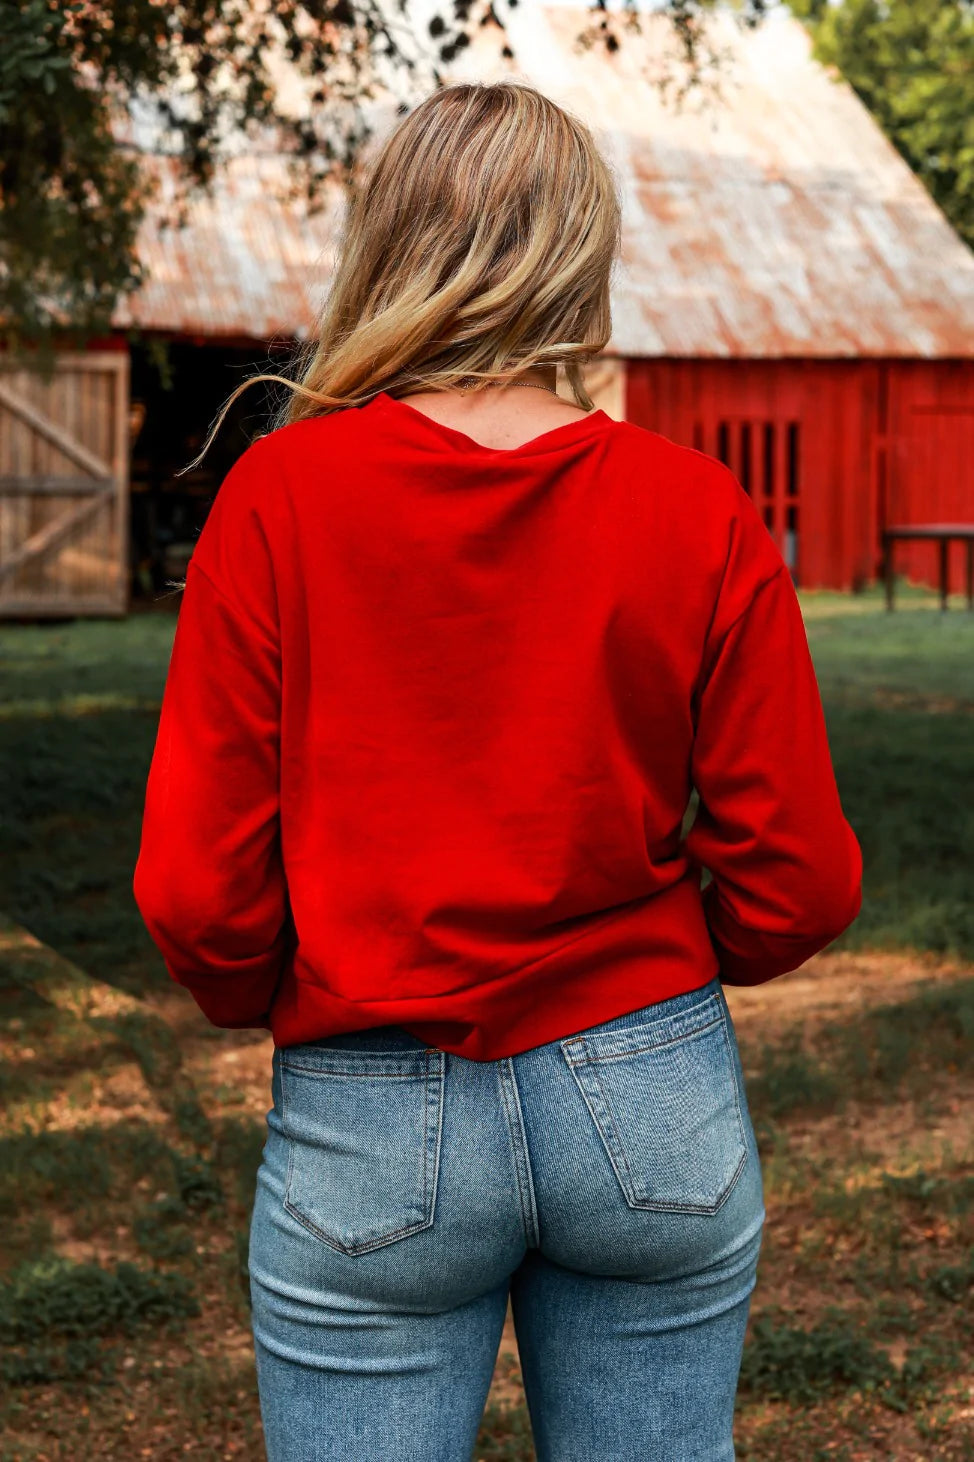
[
  {"x": 829, "y": 450},
  {"x": 929, "y": 474},
  {"x": 796, "y": 436}
]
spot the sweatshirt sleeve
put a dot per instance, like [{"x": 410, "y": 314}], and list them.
[
  {"x": 786, "y": 865},
  {"x": 209, "y": 880}
]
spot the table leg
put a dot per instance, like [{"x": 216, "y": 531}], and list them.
[
  {"x": 944, "y": 545},
  {"x": 888, "y": 568},
  {"x": 970, "y": 573}
]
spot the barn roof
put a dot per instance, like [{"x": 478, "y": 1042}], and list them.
[{"x": 770, "y": 217}]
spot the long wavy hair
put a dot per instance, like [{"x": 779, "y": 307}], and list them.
[{"x": 480, "y": 243}]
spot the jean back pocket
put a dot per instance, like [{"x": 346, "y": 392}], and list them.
[
  {"x": 364, "y": 1130},
  {"x": 665, "y": 1100}
]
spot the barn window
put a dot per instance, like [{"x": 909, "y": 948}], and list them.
[
  {"x": 790, "y": 546},
  {"x": 765, "y": 458},
  {"x": 768, "y": 462}
]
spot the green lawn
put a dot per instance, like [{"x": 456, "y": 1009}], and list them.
[
  {"x": 81, "y": 701},
  {"x": 77, "y": 725},
  {"x": 899, "y": 699}
]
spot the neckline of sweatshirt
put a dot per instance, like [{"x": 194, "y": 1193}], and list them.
[{"x": 556, "y": 437}]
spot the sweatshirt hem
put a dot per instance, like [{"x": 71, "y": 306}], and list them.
[{"x": 622, "y": 966}]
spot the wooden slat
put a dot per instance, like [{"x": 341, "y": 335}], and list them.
[
  {"x": 120, "y": 472},
  {"x": 54, "y": 434},
  {"x": 51, "y": 535},
  {"x": 23, "y": 607},
  {"x": 97, "y": 361},
  {"x": 60, "y": 486}
]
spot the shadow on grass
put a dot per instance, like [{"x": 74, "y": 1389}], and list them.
[{"x": 891, "y": 1049}]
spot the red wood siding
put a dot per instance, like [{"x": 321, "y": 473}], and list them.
[
  {"x": 829, "y": 450},
  {"x": 930, "y": 459}
]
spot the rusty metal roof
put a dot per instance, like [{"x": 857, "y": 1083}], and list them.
[
  {"x": 248, "y": 262},
  {"x": 768, "y": 217}
]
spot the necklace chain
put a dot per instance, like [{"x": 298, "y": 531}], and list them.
[{"x": 528, "y": 385}]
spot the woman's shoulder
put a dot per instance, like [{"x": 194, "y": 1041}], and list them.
[
  {"x": 703, "y": 501},
  {"x": 692, "y": 481},
  {"x": 253, "y": 508},
  {"x": 308, "y": 432},
  {"x": 682, "y": 461}
]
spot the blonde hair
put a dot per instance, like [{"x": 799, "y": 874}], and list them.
[{"x": 481, "y": 244}]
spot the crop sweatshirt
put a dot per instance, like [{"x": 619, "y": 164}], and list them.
[{"x": 433, "y": 716}]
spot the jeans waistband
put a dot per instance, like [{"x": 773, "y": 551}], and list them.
[{"x": 397, "y": 1038}]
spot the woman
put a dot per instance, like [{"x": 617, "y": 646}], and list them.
[{"x": 452, "y": 656}]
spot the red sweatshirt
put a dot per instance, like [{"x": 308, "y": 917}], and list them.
[{"x": 432, "y": 719}]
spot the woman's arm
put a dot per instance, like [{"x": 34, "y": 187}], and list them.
[
  {"x": 786, "y": 865},
  {"x": 209, "y": 880}
]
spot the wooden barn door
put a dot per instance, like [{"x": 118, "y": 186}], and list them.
[
  {"x": 930, "y": 459},
  {"x": 64, "y": 487}
]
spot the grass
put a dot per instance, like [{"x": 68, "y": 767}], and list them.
[
  {"x": 898, "y": 1047},
  {"x": 77, "y": 727},
  {"x": 53, "y": 1312},
  {"x": 129, "y": 1145},
  {"x": 898, "y": 691}
]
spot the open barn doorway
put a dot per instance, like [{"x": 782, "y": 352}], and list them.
[{"x": 178, "y": 387}]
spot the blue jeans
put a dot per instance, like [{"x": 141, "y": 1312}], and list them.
[{"x": 608, "y": 1184}]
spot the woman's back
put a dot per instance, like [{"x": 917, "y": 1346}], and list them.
[{"x": 497, "y": 674}]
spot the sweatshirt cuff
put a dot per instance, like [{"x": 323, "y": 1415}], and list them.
[
  {"x": 752, "y": 956},
  {"x": 240, "y": 999}
]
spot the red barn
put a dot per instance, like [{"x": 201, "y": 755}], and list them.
[{"x": 789, "y": 298}]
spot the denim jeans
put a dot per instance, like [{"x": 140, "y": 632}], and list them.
[{"x": 608, "y": 1184}]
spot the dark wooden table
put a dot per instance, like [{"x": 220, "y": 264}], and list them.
[{"x": 944, "y": 533}]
